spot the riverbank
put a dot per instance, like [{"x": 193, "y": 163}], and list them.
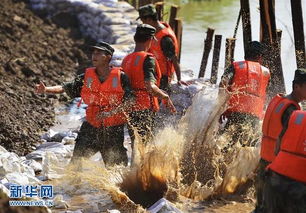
[{"x": 46, "y": 48}]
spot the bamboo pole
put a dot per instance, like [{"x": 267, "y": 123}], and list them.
[
  {"x": 298, "y": 29},
  {"x": 246, "y": 22},
  {"x": 215, "y": 60},
  {"x": 206, "y": 51},
  {"x": 229, "y": 52}
]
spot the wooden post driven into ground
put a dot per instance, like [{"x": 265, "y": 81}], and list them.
[
  {"x": 278, "y": 64},
  {"x": 173, "y": 15},
  {"x": 144, "y": 2},
  {"x": 179, "y": 34},
  {"x": 207, "y": 48},
  {"x": 160, "y": 10},
  {"x": 134, "y": 3},
  {"x": 272, "y": 57},
  {"x": 268, "y": 34},
  {"x": 246, "y": 22},
  {"x": 298, "y": 29},
  {"x": 215, "y": 60},
  {"x": 229, "y": 52}
]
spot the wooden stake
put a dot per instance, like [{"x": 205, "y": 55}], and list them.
[
  {"x": 144, "y": 2},
  {"x": 173, "y": 15},
  {"x": 179, "y": 34},
  {"x": 160, "y": 10},
  {"x": 271, "y": 58},
  {"x": 215, "y": 60},
  {"x": 246, "y": 22},
  {"x": 157, "y": 1},
  {"x": 207, "y": 48},
  {"x": 298, "y": 29},
  {"x": 134, "y": 4},
  {"x": 229, "y": 52}
]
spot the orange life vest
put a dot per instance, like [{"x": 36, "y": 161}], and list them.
[
  {"x": 272, "y": 125},
  {"x": 249, "y": 89},
  {"x": 132, "y": 65},
  {"x": 291, "y": 160},
  {"x": 166, "y": 65},
  {"x": 103, "y": 97}
]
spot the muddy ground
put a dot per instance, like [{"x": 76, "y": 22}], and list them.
[{"x": 33, "y": 48}]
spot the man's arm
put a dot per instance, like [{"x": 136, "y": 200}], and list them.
[
  {"x": 285, "y": 120},
  {"x": 42, "y": 88},
  {"x": 168, "y": 49},
  {"x": 73, "y": 88},
  {"x": 150, "y": 80}
]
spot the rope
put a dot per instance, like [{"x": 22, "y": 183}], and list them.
[{"x": 237, "y": 24}]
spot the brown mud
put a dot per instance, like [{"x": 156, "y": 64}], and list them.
[{"x": 32, "y": 49}]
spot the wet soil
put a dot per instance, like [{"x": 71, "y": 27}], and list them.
[{"x": 33, "y": 48}]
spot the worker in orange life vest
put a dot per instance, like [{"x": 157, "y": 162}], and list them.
[
  {"x": 284, "y": 190},
  {"x": 165, "y": 47},
  {"x": 143, "y": 71},
  {"x": 107, "y": 92},
  {"x": 247, "y": 82},
  {"x": 275, "y": 125}
]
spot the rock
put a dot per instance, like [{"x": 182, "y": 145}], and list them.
[
  {"x": 113, "y": 211},
  {"x": 17, "y": 178},
  {"x": 9, "y": 162},
  {"x": 163, "y": 206},
  {"x": 36, "y": 166},
  {"x": 2, "y": 150},
  {"x": 59, "y": 202},
  {"x": 4, "y": 192}
]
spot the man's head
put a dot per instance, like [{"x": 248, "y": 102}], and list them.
[
  {"x": 144, "y": 34},
  {"x": 299, "y": 84},
  {"x": 102, "y": 53},
  {"x": 148, "y": 14},
  {"x": 254, "y": 51}
]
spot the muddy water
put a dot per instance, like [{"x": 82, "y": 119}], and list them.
[
  {"x": 221, "y": 15},
  {"x": 158, "y": 169}
]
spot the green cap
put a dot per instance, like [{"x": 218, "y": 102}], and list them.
[
  {"x": 104, "y": 46},
  {"x": 300, "y": 75},
  {"x": 145, "y": 30},
  {"x": 146, "y": 10}
]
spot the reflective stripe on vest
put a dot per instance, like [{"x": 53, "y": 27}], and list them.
[
  {"x": 291, "y": 160},
  {"x": 132, "y": 65},
  {"x": 248, "y": 89},
  {"x": 166, "y": 66},
  {"x": 103, "y": 97},
  {"x": 272, "y": 125}
]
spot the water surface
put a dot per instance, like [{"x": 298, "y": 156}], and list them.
[{"x": 222, "y": 15}]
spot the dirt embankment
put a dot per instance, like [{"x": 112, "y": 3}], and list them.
[{"x": 32, "y": 49}]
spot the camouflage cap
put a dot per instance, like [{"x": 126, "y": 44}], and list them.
[
  {"x": 145, "y": 30},
  {"x": 146, "y": 10},
  {"x": 255, "y": 49},
  {"x": 300, "y": 75},
  {"x": 104, "y": 46}
]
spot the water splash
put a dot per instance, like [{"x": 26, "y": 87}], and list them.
[{"x": 181, "y": 162}]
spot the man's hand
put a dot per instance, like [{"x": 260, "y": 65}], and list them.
[
  {"x": 40, "y": 88},
  {"x": 180, "y": 83},
  {"x": 169, "y": 104}
]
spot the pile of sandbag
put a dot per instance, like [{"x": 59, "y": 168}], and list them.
[{"x": 101, "y": 20}]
